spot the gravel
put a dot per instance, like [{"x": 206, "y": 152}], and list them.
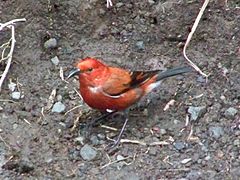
[
  {"x": 16, "y": 95},
  {"x": 179, "y": 145},
  {"x": 55, "y": 60},
  {"x": 88, "y": 153},
  {"x": 196, "y": 112},
  {"x": 58, "y": 107},
  {"x": 230, "y": 112},
  {"x": 140, "y": 45},
  {"x": 216, "y": 131},
  {"x": 51, "y": 43}
]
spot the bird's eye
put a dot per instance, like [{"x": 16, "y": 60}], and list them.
[{"x": 90, "y": 69}]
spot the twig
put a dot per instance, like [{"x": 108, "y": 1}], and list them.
[
  {"x": 116, "y": 161},
  {"x": 170, "y": 103},
  {"x": 190, "y": 36},
  {"x": 10, "y": 25},
  {"x": 133, "y": 141},
  {"x": 8, "y": 100},
  {"x": 108, "y": 127},
  {"x": 76, "y": 123},
  {"x": 72, "y": 109},
  {"x": 109, "y": 3}
]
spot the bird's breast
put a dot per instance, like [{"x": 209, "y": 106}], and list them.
[{"x": 97, "y": 99}]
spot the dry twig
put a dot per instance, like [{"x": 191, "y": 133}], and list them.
[
  {"x": 109, "y": 3},
  {"x": 190, "y": 36},
  {"x": 9, "y": 25}
]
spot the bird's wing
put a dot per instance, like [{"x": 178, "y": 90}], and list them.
[{"x": 122, "y": 81}]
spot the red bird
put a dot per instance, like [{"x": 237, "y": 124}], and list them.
[{"x": 113, "y": 89}]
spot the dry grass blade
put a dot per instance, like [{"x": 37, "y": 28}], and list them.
[
  {"x": 133, "y": 141},
  {"x": 51, "y": 100},
  {"x": 109, "y": 3},
  {"x": 190, "y": 36}
]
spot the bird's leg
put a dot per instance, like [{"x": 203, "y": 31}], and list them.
[
  {"x": 97, "y": 120},
  {"x": 116, "y": 142},
  {"x": 101, "y": 118}
]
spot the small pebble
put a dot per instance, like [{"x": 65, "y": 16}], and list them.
[
  {"x": 16, "y": 95},
  {"x": 120, "y": 4},
  {"x": 207, "y": 158},
  {"x": 101, "y": 136},
  {"x": 59, "y": 97},
  {"x": 179, "y": 145},
  {"x": 185, "y": 161},
  {"x": 201, "y": 79},
  {"x": 120, "y": 157},
  {"x": 55, "y": 60},
  {"x": 58, "y": 107},
  {"x": 12, "y": 86},
  {"x": 88, "y": 153},
  {"x": 194, "y": 174},
  {"x": 236, "y": 142},
  {"x": 230, "y": 112},
  {"x": 216, "y": 131},
  {"x": 196, "y": 112},
  {"x": 151, "y": 2},
  {"x": 140, "y": 45},
  {"x": 51, "y": 43},
  {"x": 94, "y": 140},
  {"x": 163, "y": 131},
  {"x": 15, "y": 126}
]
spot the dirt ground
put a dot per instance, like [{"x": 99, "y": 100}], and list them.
[{"x": 36, "y": 143}]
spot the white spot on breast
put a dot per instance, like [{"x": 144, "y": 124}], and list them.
[
  {"x": 153, "y": 86},
  {"x": 94, "y": 89},
  {"x": 109, "y": 110}
]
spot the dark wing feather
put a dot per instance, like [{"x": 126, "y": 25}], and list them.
[{"x": 123, "y": 81}]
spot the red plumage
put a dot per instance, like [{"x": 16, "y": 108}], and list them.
[{"x": 114, "y": 89}]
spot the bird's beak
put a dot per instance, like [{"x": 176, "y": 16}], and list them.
[{"x": 73, "y": 72}]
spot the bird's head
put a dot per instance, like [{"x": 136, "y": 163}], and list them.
[{"x": 87, "y": 66}]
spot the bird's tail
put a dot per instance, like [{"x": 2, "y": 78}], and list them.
[{"x": 173, "y": 72}]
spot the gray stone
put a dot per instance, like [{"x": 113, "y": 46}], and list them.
[
  {"x": 230, "y": 112},
  {"x": 194, "y": 174},
  {"x": 51, "y": 43},
  {"x": 55, "y": 60},
  {"x": 120, "y": 4},
  {"x": 15, "y": 126},
  {"x": 179, "y": 145},
  {"x": 216, "y": 131},
  {"x": 16, "y": 95},
  {"x": 140, "y": 45},
  {"x": 236, "y": 142},
  {"x": 120, "y": 157},
  {"x": 88, "y": 153},
  {"x": 58, "y": 107},
  {"x": 94, "y": 140},
  {"x": 196, "y": 112},
  {"x": 201, "y": 79},
  {"x": 101, "y": 136},
  {"x": 163, "y": 131},
  {"x": 151, "y": 2}
]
